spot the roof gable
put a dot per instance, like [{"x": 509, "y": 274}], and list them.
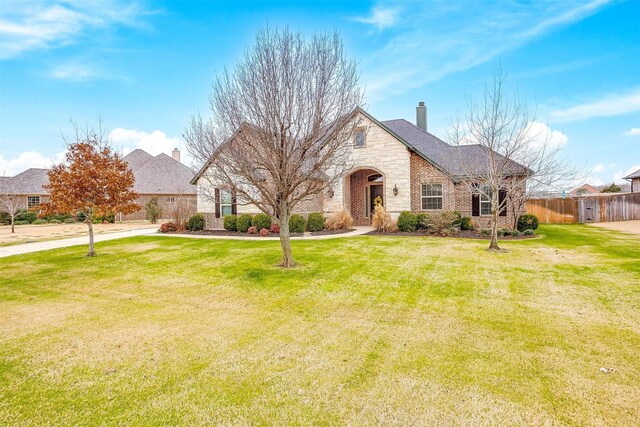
[
  {"x": 633, "y": 175},
  {"x": 30, "y": 181},
  {"x": 163, "y": 175}
]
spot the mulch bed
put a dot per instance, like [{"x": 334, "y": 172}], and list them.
[
  {"x": 240, "y": 235},
  {"x": 463, "y": 234}
]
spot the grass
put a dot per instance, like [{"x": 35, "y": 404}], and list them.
[{"x": 367, "y": 330}]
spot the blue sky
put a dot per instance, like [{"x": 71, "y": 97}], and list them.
[{"x": 145, "y": 67}]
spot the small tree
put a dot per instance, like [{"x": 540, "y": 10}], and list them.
[
  {"x": 281, "y": 125},
  {"x": 12, "y": 204},
  {"x": 153, "y": 210},
  {"x": 510, "y": 158},
  {"x": 93, "y": 181},
  {"x": 612, "y": 188}
]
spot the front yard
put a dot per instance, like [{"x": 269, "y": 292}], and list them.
[{"x": 367, "y": 330}]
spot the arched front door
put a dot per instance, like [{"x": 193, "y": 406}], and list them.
[{"x": 366, "y": 188}]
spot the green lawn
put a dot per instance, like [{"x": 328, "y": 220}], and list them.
[{"x": 367, "y": 330}]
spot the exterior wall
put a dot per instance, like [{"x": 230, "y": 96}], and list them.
[
  {"x": 164, "y": 202},
  {"x": 384, "y": 154},
  {"x": 635, "y": 185}
]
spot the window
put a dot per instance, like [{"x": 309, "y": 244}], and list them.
[
  {"x": 171, "y": 199},
  {"x": 360, "y": 140},
  {"x": 431, "y": 196},
  {"x": 33, "y": 202},
  {"x": 486, "y": 195},
  {"x": 226, "y": 202}
]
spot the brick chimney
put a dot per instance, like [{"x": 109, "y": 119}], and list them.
[
  {"x": 421, "y": 116},
  {"x": 175, "y": 154}
]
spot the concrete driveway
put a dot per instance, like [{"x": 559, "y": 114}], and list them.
[{"x": 631, "y": 227}]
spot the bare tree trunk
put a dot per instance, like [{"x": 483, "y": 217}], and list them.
[
  {"x": 90, "y": 224},
  {"x": 493, "y": 246},
  {"x": 13, "y": 225},
  {"x": 285, "y": 241}
]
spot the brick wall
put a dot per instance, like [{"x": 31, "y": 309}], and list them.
[
  {"x": 358, "y": 187},
  {"x": 166, "y": 201}
]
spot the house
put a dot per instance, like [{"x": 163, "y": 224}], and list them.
[
  {"x": 584, "y": 190},
  {"x": 409, "y": 168},
  {"x": 634, "y": 178},
  {"x": 158, "y": 176}
]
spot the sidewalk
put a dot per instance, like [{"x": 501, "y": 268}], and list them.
[
  {"x": 26, "y": 248},
  {"x": 357, "y": 231}
]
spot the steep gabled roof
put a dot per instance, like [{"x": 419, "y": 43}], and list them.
[
  {"x": 137, "y": 159},
  {"x": 163, "y": 175},
  {"x": 27, "y": 182},
  {"x": 633, "y": 175}
]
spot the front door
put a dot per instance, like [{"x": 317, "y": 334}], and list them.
[{"x": 375, "y": 191}]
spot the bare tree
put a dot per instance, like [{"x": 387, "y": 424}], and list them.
[
  {"x": 511, "y": 157},
  {"x": 12, "y": 204},
  {"x": 280, "y": 125}
]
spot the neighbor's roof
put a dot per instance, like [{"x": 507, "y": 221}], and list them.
[
  {"x": 27, "y": 182},
  {"x": 160, "y": 174},
  {"x": 633, "y": 175}
]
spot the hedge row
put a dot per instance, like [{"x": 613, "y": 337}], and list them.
[{"x": 253, "y": 224}]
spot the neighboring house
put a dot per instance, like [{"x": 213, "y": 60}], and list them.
[
  {"x": 584, "y": 190},
  {"x": 634, "y": 178},
  {"x": 408, "y": 167},
  {"x": 28, "y": 184},
  {"x": 158, "y": 176}
]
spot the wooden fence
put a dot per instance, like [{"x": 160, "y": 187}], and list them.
[{"x": 594, "y": 208}]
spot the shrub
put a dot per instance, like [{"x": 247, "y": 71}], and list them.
[
  {"x": 28, "y": 216},
  {"x": 421, "y": 221},
  {"x": 244, "y": 222},
  {"x": 485, "y": 232},
  {"x": 275, "y": 228},
  {"x": 438, "y": 221},
  {"x": 20, "y": 222},
  {"x": 339, "y": 221},
  {"x": 504, "y": 232},
  {"x": 466, "y": 223},
  {"x": 527, "y": 221},
  {"x": 230, "y": 222},
  {"x": 457, "y": 222},
  {"x": 381, "y": 220},
  {"x": 69, "y": 221},
  {"x": 39, "y": 221},
  {"x": 261, "y": 220},
  {"x": 153, "y": 210},
  {"x": 56, "y": 221},
  {"x": 264, "y": 232},
  {"x": 515, "y": 233},
  {"x": 407, "y": 222},
  {"x": 528, "y": 232},
  {"x": 168, "y": 227},
  {"x": 296, "y": 223},
  {"x": 451, "y": 231},
  {"x": 196, "y": 222},
  {"x": 315, "y": 222},
  {"x": 252, "y": 230}
]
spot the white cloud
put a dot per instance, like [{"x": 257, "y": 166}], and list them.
[
  {"x": 27, "y": 25},
  {"x": 618, "y": 176},
  {"x": 26, "y": 160},
  {"x": 77, "y": 72},
  {"x": 154, "y": 143},
  {"x": 599, "y": 168},
  {"x": 542, "y": 135},
  {"x": 612, "y": 105},
  {"x": 381, "y": 17},
  {"x": 433, "y": 42},
  {"x": 633, "y": 132}
]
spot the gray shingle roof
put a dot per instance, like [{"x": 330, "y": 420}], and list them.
[
  {"x": 633, "y": 175},
  {"x": 27, "y": 182},
  {"x": 162, "y": 175},
  {"x": 457, "y": 160},
  {"x": 137, "y": 158}
]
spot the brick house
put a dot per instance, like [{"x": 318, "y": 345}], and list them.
[
  {"x": 634, "y": 178},
  {"x": 158, "y": 176},
  {"x": 409, "y": 168}
]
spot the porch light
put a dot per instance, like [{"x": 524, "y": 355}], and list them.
[
  {"x": 395, "y": 190},
  {"x": 330, "y": 193}
]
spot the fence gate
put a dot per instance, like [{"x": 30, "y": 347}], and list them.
[{"x": 588, "y": 210}]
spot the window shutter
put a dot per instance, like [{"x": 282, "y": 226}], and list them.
[
  {"x": 475, "y": 205},
  {"x": 234, "y": 208},
  {"x": 502, "y": 202},
  {"x": 217, "y": 203}
]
